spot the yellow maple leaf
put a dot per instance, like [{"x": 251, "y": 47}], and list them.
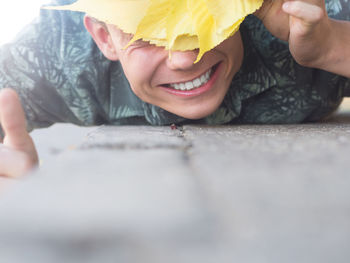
[{"x": 176, "y": 25}]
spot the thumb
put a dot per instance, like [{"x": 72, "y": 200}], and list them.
[
  {"x": 307, "y": 14},
  {"x": 13, "y": 122}
]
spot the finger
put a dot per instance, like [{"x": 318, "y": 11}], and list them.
[
  {"x": 309, "y": 13},
  {"x": 13, "y": 163},
  {"x": 13, "y": 119}
]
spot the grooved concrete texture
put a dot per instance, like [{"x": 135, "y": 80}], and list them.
[{"x": 194, "y": 194}]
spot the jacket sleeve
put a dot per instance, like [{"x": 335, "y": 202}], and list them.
[{"x": 338, "y": 9}]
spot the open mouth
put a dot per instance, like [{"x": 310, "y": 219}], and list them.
[{"x": 195, "y": 83}]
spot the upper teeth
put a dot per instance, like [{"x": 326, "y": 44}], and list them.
[{"x": 193, "y": 83}]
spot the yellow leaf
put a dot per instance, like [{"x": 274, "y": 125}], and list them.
[{"x": 176, "y": 25}]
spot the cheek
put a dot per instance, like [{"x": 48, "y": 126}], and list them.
[
  {"x": 233, "y": 50},
  {"x": 140, "y": 65},
  {"x": 139, "y": 78},
  {"x": 232, "y": 46}
]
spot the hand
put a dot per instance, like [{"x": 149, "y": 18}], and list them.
[
  {"x": 310, "y": 32},
  {"x": 314, "y": 39},
  {"x": 274, "y": 18},
  {"x": 303, "y": 23},
  {"x": 17, "y": 153}
]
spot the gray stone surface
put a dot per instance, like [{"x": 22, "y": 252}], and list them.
[
  {"x": 194, "y": 194},
  {"x": 282, "y": 192},
  {"x": 125, "y": 195},
  {"x": 59, "y": 138}
]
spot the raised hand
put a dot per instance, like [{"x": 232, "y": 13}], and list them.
[
  {"x": 17, "y": 153},
  {"x": 314, "y": 39},
  {"x": 310, "y": 31}
]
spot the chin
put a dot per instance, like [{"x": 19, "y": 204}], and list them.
[{"x": 196, "y": 113}]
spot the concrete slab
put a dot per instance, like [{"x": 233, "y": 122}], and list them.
[
  {"x": 195, "y": 194},
  {"x": 110, "y": 200},
  {"x": 280, "y": 191},
  {"x": 59, "y": 138}
]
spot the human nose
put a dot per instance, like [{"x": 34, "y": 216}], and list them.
[{"x": 182, "y": 60}]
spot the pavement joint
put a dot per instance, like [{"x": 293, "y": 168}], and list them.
[
  {"x": 136, "y": 143},
  {"x": 128, "y": 146}
]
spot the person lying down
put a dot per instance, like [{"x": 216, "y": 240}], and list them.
[{"x": 162, "y": 62}]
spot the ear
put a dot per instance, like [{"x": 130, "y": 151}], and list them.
[{"x": 101, "y": 36}]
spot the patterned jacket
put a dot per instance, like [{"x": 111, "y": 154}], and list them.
[{"x": 62, "y": 76}]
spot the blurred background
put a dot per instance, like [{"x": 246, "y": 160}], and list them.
[{"x": 15, "y": 14}]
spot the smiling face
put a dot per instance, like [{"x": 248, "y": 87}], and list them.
[{"x": 173, "y": 82}]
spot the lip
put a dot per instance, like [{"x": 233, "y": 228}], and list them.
[{"x": 198, "y": 91}]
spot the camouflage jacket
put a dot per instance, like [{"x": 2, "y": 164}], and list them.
[{"x": 62, "y": 76}]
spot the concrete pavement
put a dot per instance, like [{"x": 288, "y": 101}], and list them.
[{"x": 194, "y": 194}]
